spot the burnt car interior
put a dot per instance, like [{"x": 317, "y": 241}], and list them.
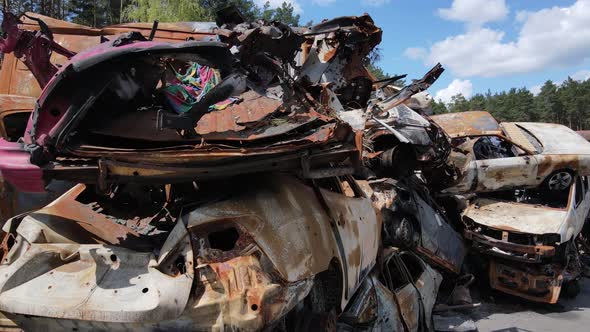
[
  {"x": 135, "y": 89},
  {"x": 15, "y": 125},
  {"x": 557, "y": 199},
  {"x": 492, "y": 147}
]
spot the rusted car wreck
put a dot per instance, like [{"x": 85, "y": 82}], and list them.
[
  {"x": 530, "y": 237},
  {"x": 527, "y": 200},
  {"x": 255, "y": 176},
  {"x": 230, "y": 202}
]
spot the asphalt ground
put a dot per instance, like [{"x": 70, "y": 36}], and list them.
[{"x": 503, "y": 313}]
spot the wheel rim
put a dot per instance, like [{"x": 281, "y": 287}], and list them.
[{"x": 560, "y": 181}]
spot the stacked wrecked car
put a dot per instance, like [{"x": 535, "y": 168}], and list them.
[
  {"x": 531, "y": 205},
  {"x": 216, "y": 186},
  {"x": 261, "y": 178}
]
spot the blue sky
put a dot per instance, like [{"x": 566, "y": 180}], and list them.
[{"x": 483, "y": 44}]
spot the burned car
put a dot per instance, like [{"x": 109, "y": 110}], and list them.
[
  {"x": 240, "y": 253},
  {"x": 190, "y": 104},
  {"x": 491, "y": 156},
  {"x": 30, "y": 36},
  {"x": 413, "y": 220},
  {"x": 216, "y": 186},
  {"x": 529, "y": 236},
  {"x": 400, "y": 139}
]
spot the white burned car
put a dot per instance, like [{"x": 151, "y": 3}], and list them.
[
  {"x": 244, "y": 254},
  {"x": 491, "y": 156},
  {"x": 529, "y": 236}
]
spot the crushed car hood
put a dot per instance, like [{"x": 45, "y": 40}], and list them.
[
  {"x": 474, "y": 123},
  {"x": 113, "y": 85},
  {"x": 516, "y": 217},
  {"x": 557, "y": 139}
]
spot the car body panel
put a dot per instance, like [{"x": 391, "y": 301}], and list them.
[
  {"x": 500, "y": 173},
  {"x": 557, "y": 139},
  {"x": 518, "y": 217},
  {"x": 416, "y": 298}
]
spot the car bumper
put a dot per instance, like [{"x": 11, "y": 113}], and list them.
[
  {"x": 508, "y": 250},
  {"x": 534, "y": 282}
]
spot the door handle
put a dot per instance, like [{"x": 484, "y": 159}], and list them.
[{"x": 484, "y": 166}]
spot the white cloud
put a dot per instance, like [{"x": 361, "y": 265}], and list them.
[
  {"x": 324, "y": 2},
  {"x": 536, "y": 89},
  {"x": 277, "y": 3},
  {"x": 456, "y": 87},
  {"x": 551, "y": 37},
  {"x": 581, "y": 75},
  {"x": 475, "y": 12},
  {"x": 416, "y": 53},
  {"x": 375, "y": 3}
]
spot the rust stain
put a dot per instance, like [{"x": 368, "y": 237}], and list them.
[
  {"x": 526, "y": 282},
  {"x": 552, "y": 163},
  {"x": 354, "y": 258},
  {"x": 474, "y": 123}
]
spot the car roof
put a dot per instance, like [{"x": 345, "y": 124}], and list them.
[{"x": 473, "y": 123}]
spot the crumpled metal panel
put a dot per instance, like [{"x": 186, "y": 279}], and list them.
[
  {"x": 538, "y": 282},
  {"x": 517, "y": 217},
  {"x": 291, "y": 227},
  {"x": 475, "y": 123},
  {"x": 251, "y": 109},
  {"x": 89, "y": 268}
]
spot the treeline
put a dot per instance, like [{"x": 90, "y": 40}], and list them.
[
  {"x": 567, "y": 103},
  {"x": 98, "y": 13}
]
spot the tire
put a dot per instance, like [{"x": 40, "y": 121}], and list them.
[
  {"x": 405, "y": 233},
  {"x": 559, "y": 181}
]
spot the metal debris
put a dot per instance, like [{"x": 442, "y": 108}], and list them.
[{"x": 257, "y": 177}]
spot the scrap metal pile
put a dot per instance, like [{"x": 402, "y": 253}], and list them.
[{"x": 257, "y": 176}]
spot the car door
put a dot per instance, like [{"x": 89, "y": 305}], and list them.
[
  {"x": 406, "y": 294},
  {"x": 426, "y": 280},
  {"x": 440, "y": 243},
  {"x": 356, "y": 227},
  {"x": 511, "y": 171},
  {"x": 581, "y": 204}
]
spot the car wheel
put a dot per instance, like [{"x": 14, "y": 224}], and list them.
[
  {"x": 405, "y": 233},
  {"x": 560, "y": 180}
]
